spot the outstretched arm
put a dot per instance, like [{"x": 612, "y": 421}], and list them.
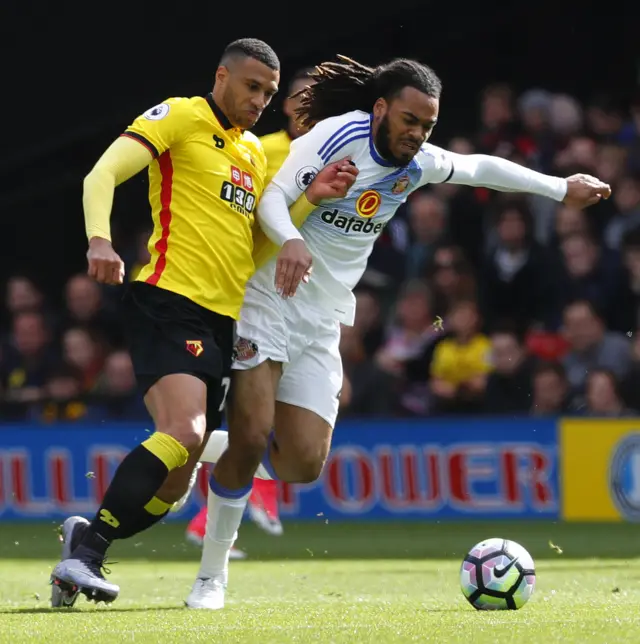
[{"x": 579, "y": 190}]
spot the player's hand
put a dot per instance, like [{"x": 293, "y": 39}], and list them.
[
  {"x": 584, "y": 190},
  {"x": 333, "y": 181},
  {"x": 293, "y": 264},
  {"x": 105, "y": 265}
]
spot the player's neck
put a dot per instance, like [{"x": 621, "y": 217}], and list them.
[{"x": 217, "y": 106}]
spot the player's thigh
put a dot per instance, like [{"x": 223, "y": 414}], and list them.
[
  {"x": 260, "y": 349},
  {"x": 251, "y": 408},
  {"x": 178, "y": 406},
  {"x": 177, "y": 358},
  {"x": 303, "y": 440}
]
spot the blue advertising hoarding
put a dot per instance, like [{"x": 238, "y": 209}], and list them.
[{"x": 377, "y": 470}]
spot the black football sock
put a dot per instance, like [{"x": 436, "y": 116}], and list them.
[{"x": 129, "y": 505}]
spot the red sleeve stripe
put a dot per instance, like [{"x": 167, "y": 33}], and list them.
[
  {"x": 166, "y": 194},
  {"x": 147, "y": 144}
]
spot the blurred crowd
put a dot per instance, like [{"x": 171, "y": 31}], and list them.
[{"x": 474, "y": 302}]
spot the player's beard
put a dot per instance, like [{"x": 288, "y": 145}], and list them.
[{"x": 383, "y": 143}]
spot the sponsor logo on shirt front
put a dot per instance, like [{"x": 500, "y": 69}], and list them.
[
  {"x": 238, "y": 192},
  {"x": 368, "y": 203},
  {"x": 351, "y": 224}
]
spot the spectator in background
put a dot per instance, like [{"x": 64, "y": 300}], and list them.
[
  {"x": 461, "y": 362},
  {"x": 594, "y": 274},
  {"x": 85, "y": 307},
  {"x": 509, "y": 385},
  {"x": 62, "y": 398},
  {"x": 611, "y": 161},
  {"x": 372, "y": 391},
  {"x": 570, "y": 221},
  {"x": 631, "y": 136},
  {"x": 466, "y": 218},
  {"x": 591, "y": 345},
  {"x": 27, "y": 360},
  {"x": 451, "y": 278},
  {"x": 427, "y": 222},
  {"x": 368, "y": 320},
  {"x": 499, "y": 132},
  {"x": 116, "y": 395},
  {"x": 535, "y": 113},
  {"x": 630, "y": 386},
  {"x": 626, "y": 197},
  {"x": 406, "y": 354},
  {"x": 411, "y": 331},
  {"x": 631, "y": 260},
  {"x": 565, "y": 115},
  {"x": 23, "y": 296},
  {"x": 83, "y": 350},
  {"x": 513, "y": 282},
  {"x": 579, "y": 155},
  {"x": 604, "y": 396},
  {"x": 550, "y": 389},
  {"x": 605, "y": 119}
]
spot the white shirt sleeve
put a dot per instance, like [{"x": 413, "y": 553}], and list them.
[
  {"x": 489, "y": 172},
  {"x": 273, "y": 215},
  {"x": 326, "y": 142}
]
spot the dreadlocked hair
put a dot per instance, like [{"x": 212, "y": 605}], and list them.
[{"x": 346, "y": 85}]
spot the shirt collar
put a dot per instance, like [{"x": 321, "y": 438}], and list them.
[{"x": 220, "y": 115}]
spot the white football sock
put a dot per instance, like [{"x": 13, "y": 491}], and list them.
[
  {"x": 223, "y": 520},
  {"x": 216, "y": 446}
]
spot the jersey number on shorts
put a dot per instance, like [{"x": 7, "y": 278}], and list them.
[{"x": 226, "y": 382}]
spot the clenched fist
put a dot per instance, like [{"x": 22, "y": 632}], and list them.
[
  {"x": 583, "y": 190},
  {"x": 105, "y": 265}
]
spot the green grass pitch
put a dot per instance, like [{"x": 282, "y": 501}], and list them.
[{"x": 320, "y": 582}]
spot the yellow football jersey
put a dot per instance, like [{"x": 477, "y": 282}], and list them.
[
  {"x": 204, "y": 186},
  {"x": 456, "y": 363},
  {"x": 276, "y": 146}
]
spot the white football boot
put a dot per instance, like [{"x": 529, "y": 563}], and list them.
[{"x": 207, "y": 594}]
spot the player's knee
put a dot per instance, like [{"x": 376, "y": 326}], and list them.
[
  {"x": 189, "y": 432},
  {"x": 250, "y": 444},
  {"x": 307, "y": 468}
]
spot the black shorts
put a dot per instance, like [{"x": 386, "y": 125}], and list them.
[{"x": 168, "y": 333}]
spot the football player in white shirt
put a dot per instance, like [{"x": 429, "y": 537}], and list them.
[{"x": 288, "y": 371}]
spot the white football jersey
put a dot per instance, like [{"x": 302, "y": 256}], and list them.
[{"x": 340, "y": 233}]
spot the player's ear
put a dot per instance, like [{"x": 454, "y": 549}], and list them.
[
  {"x": 380, "y": 107},
  {"x": 222, "y": 73}
]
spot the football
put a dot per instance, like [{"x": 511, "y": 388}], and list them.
[{"x": 497, "y": 574}]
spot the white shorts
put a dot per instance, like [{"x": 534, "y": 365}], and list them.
[{"x": 305, "y": 340}]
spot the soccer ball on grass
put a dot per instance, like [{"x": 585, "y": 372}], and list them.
[{"x": 497, "y": 574}]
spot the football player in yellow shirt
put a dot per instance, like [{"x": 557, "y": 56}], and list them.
[
  {"x": 206, "y": 175},
  {"x": 277, "y": 145}
]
